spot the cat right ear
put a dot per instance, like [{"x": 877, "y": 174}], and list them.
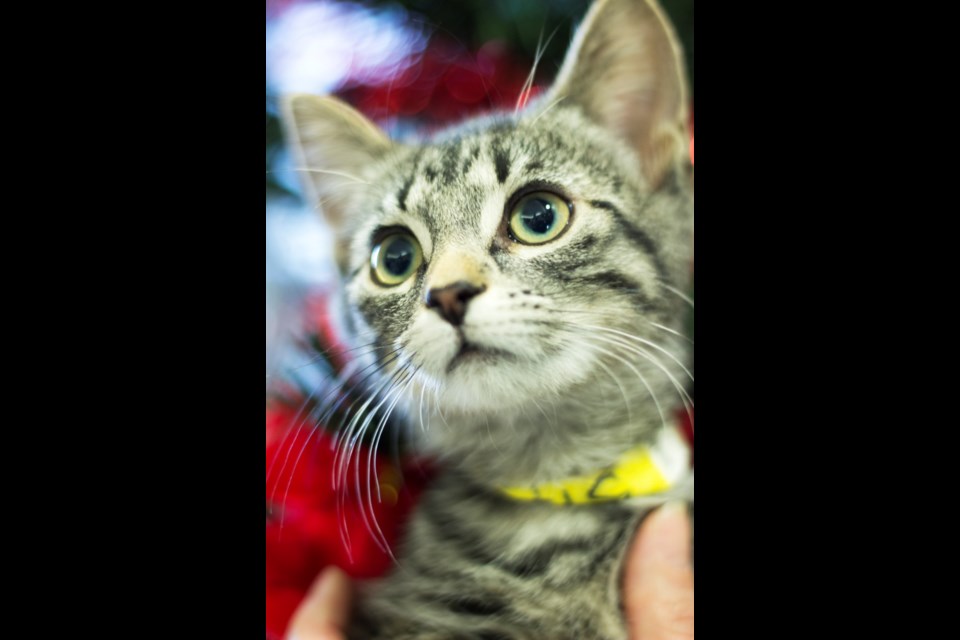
[
  {"x": 625, "y": 71},
  {"x": 332, "y": 144}
]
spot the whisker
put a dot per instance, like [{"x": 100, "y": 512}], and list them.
[
  {"x": 644, "y": 341},
  {"x": 548, "y": 107},
  {"x": 344, "y": 435},
  {"x": 390, "y": 358},
  {"x": 623, "y": 392},
  {"x": 682, "y": 295},
  {"x": 341, "y": 465},
  {"x": 643, "y": 380},
  {"x": 375, "y": 480},
  {"x": 322, "y": 355},
  {"x": 400, "y": 386},
  {"x": 615, "y": 316},
  {"x": 355, "y": 448},
  {"x": 287, "y": 435},
  {"x": 684, "y": 396},
  {"x": 528, "y": 84},
  {"x": 673, "y": 331},
  {"x": 423, "y": 387}
]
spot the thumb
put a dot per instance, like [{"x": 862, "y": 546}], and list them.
[
  {"x": 658, "y": 589},
  {"x": 324, "y": 611}
]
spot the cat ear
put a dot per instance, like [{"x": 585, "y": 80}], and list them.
[
  {"x": 332, "y": 145},
  {"x": 625, "y": 70}
]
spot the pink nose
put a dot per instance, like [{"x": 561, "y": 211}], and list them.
[{"x": 451, "y": 301}]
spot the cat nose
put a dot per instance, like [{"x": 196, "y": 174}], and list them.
[{"x": 451, "y": 301}]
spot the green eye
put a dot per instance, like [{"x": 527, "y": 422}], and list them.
[
  {"x": 539, "y": 217},
  {"x": 395, "y": 258}
]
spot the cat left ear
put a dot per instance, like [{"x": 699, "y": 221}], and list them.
[
  {"x": 333, "y": 144},
  {"x": 625, "y": 71}
]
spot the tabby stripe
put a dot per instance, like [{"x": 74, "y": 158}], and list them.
[
  {"x": 536, "y": 562},
  {"x": 502, "y": 162},
  {"x": 432, "y": 570},
  {"x": 387, "y": 313},
  {"x": 585, "y": 243},
  {"x": 470, "y": 545},
  {"x": 404, "y": 190},
  {"x": 609, "y": 552},
  {"x": 451, "y": 155},
  {"x": 618, "y": 282},
  {"x": 472, "y": 605},
  {"x": 636, "y": 234},
  {"x": 564, "y": 262},
  {"x": 473, "y": 152}
]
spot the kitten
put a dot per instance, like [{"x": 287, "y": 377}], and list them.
[{"x": 520, "y": 278}]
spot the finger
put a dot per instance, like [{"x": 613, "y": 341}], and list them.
[
  {"x": 658, "y": 590},
  {"x": 323, "y": 613}
]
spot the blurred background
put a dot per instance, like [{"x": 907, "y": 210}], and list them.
[{"x": 410, "y": 65}]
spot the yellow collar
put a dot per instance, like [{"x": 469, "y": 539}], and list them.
[{"x": 641, "y": 471}]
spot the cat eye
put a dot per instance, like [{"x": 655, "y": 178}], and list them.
[
  {"x": 395, "y": 258},
  {"x": 539, "y": 217}
]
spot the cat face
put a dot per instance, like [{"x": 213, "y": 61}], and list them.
[{"x": 503, "y": 263}]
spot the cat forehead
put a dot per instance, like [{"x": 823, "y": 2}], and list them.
[{"x": 458, "y": 173}]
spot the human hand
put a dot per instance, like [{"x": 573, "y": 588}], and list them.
[
  {"x": 658, "y": 586},
  {"x": 324, "y": 611},
  {"x": 658, "y": 581}
]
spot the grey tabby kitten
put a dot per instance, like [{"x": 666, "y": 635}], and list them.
[{"x": 520, "y": 277}]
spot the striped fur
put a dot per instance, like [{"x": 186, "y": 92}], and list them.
[{"x": 570, "y": 355}]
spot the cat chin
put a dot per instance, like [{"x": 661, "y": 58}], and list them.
[
  {"x": 487, "y": 383},
  {"x": 487, "y": 392}
]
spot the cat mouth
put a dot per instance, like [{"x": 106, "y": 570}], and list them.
[{"x": 470, "y": 352}]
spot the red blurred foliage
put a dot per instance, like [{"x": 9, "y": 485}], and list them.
[
  {"x": 307, "y": 528},
  {"x": 445, "y": 83}
]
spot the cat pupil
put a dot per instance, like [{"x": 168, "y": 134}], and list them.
[
  {"x": 399, "y": 256},
  {"x": 537, "y": 215}
]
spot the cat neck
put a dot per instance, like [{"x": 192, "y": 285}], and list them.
[{"x": 542, "y": 454}]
